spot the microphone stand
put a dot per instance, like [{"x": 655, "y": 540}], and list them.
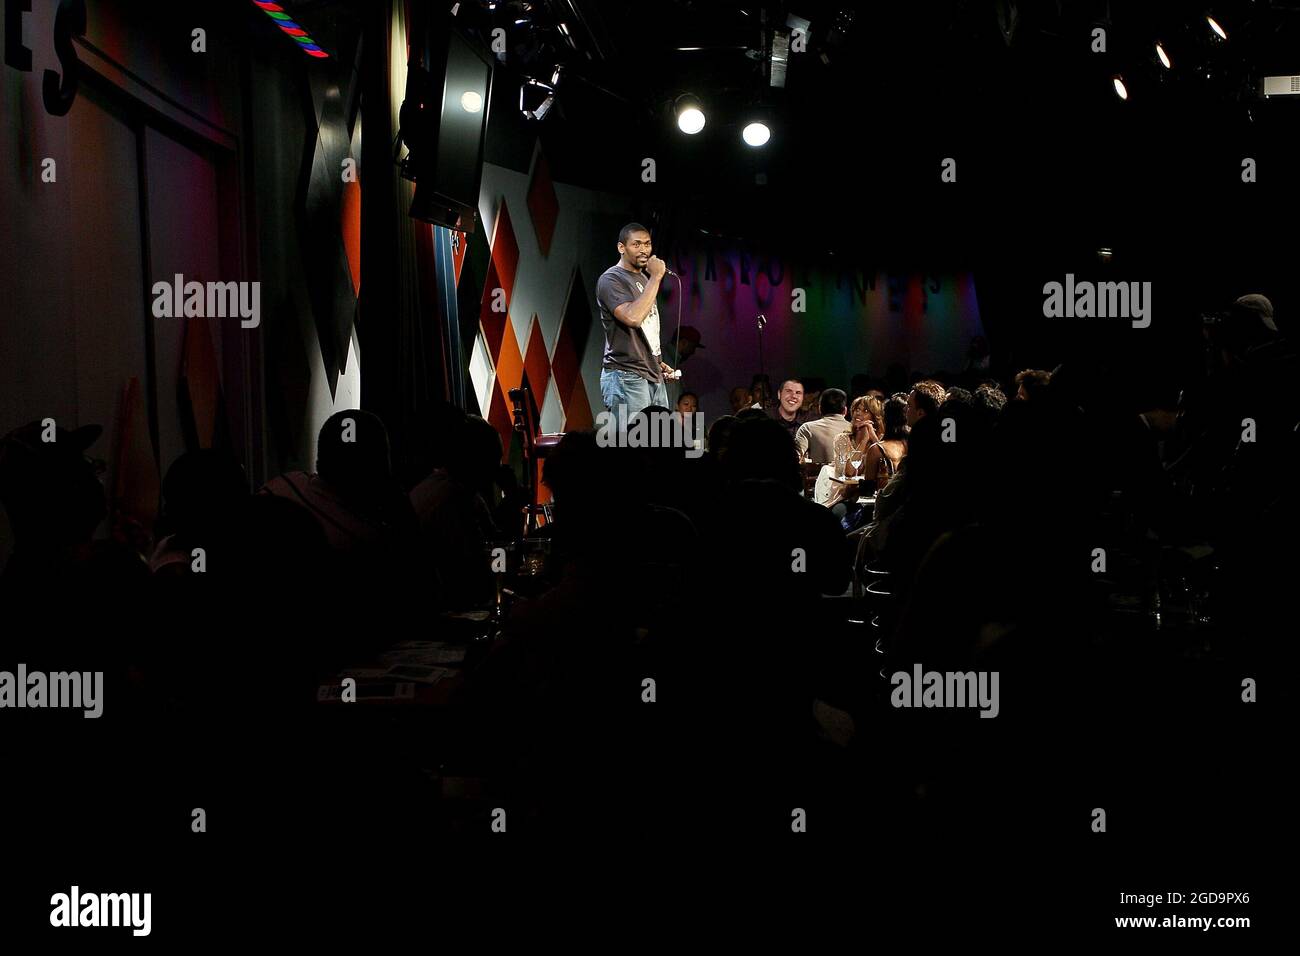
[
  {"x": 762, "y": 321},
  {"x": 677, "y": 341}
]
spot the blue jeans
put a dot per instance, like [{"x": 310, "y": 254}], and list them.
[{"x": 631, "y": 391}]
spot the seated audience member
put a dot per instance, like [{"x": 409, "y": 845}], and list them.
[
  {"x": 740, "y": 398},
  {"x": 688, "y": 403},
  {"x": 52, "y": 493},
  {"x": 451, "y": 507},
  {"x": 884, "y": 455},
  {"x": 200, "y": 492},
  {"x": 924, "y": 399},
  {"x": 788, "y": 411},
  {"x": 574, "y": 471},
  {"x": 931, "y": 494},
  {"x": 599, "y": 619},
  {"x": 719, "y": 432},
  {"x": 772, "y": 554},
  {"x": 567, "y": 651},
  {"x": 816, "y": 439},
  {"x": 62, "y": 590},
  {"x": 761, "y": 392},
  {"x": 432, "y": 434},
  {"x": 763, "y": 479},
  {"x": 353, "y": 495},
  {"x": 988, "y": 402},
  {"x": 1031, "y": 384},
  {"x": 865, "y": 424},
  {"x": 958, "y": 394}
]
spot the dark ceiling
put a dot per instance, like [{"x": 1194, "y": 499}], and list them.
[
  {"x": 885, "y": 92},
  {"x": 1051, "y": 164}
]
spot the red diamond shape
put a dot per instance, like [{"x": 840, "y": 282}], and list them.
[
  {"x": 494, "y": 323},
  {"x": 543, "y": 206},
  {"x": 536, "y": 364},
  {"x": 510, "y": 365},
  {"x": 505, "y": 251},
  {"x": 577, "y": 410}
]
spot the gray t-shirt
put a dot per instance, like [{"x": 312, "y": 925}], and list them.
[{"x": 626, "y": 348}]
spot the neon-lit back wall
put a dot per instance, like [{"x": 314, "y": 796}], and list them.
[{"x": 854, "y": 318}]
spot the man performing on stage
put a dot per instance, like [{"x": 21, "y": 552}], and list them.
[{"x": 631, "y": 375}]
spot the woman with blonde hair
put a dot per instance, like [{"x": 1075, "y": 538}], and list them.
[
  {"x": 853, "y": 447},
  {"x": 885, "y": 444}
]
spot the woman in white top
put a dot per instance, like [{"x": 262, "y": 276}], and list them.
[{"x": 875, "y": 446}]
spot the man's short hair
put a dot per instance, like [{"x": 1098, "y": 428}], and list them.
[
  {"x": 929, "y": 395},
  {"x": 1034, "y": 381},
  {"x": 989, "y": 399},
  {"x": 833, "y": 401},
  {"x": 630, "y": 228},
  {"x": 787, "y": 380}
]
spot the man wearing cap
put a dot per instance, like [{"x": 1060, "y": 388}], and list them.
[
  {"x": 1256, "y": 309},
  {"x": 1245, "y": 452},
  {"x": 678, "y": 350},
  {"x": 1252, "y": 371}
]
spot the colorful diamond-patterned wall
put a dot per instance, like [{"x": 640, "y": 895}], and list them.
[{"x": 543, "y": 348}]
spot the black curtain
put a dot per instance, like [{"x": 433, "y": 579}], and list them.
[{"x": 402, "y": 372}]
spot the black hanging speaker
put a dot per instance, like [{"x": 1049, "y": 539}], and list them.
[{"x": 443, "y": 124}]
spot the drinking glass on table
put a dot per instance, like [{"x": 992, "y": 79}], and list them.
[
  {"x": 841, "y": 449},
  {"x": 857, "y": 458},
  {"x": 536, "y": 551}
]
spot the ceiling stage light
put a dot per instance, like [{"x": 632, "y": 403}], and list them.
[
  {"x": 690, "y": 115},
  {"x": 756, "y": 134}
]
